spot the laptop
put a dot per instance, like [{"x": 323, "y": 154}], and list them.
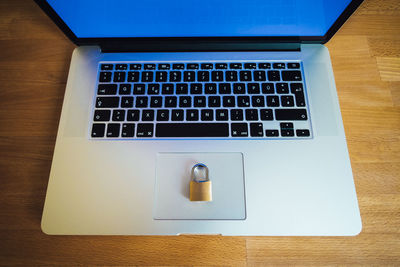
[{"x": 200, "y": 117}]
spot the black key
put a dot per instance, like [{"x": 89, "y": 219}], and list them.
[
  {"x": 177, "y": 115},
  {"x": 142, "y": 101},
  {"x": 282, "y": 88},
  {"x": 124, "y": 89},
  {"x": 303, "y": 132},
  {"x": 153, "y": 89},
  {"x": 192, "y": 130},
  {"x": 207, "y": 115},
  {"x": 147, "y": 76},
  {"x": 251, "y": 114},
  {"x": 217, "y": 76},
  {"x": 118, "y": 115},
  {"x": 224, "y": 88},
  {"x": 139, "y": 89},
  {"x": 170, "y": 102},
  {"x": 106, "y": 66},
  {"x": 185, "y": 101},
  {"x": 102, "y": 115},
  {"x": 287, "y": 101},
  {"x": 297, "y": 90},
  {"x": 127, "y": 102},
  {"x": 121, "y": 66},
  {"x": 189, "y": 76},
  {"x": 167, "y": 89},
  {"x": 290, "y": 114},
  {"x": 164, "y": 66},
  {"x": 267, "y": 88},
  {"x": 236, "y": 114},
  {"x": 231, "y": 76},
  {"x": 207, "y": 66},
  {"x": 161, "y": 76},
  {"x": 147, "y": 115},
  {"x": 192, "y": 115},
  {"x": 266, "y": 114},
  {"x": 199, "y": 101},
  {"x": 196, "y": 88},
  {"x": 239, "y": 130},
  {"x": 287, "y": 129},
  {"x": 287, "y": 133},
  {"x": 256, "y": 130},
  {"x": 210, "y": 88},
  {"x": 135, "y": 66},
  {"x": 162, "y": 115},
  {"x": 178, "y": 66},
  {"x": 291, "y": 75},
  {"x": 149, "y": 66},
  {"x": 128, "y": 130},
  {"x": 273, "y": 75},
  {"x": 133, "y": 76},
  {"x": 107, "y": 102},
  {"x": 221, "y": 114},
  {"x": 145, "y": 130},
  {"x": 259, "y": 75},
  {"x": 239, "y": 88},
  {"x": 156, "y": 101},
  {"x": 221, "y": 66},
  {"x": 214, "y": 101},
  {"x": 133, "y": 115},
  {"x": 113, "y": 130},
  {"x": 98, "y": 130},
  {"x": 253, "y": 88},
  {"x": 192, "y": 66},
  {"x": 182, "y": 89},
  {"x": 278, "y": 65},
  {"x": 105, "y": 76},
  {"x": 293, "y": 65},
  {"x": 175, "y": 76},
  {"x": 264, "y": 65},
  {"x": 228, "y": 101},
  {"x": 243, "y": 101},
  {"x": 119, "y": 76},
  {"x": 203, "y": 76},
  {"x": 250, "y": 65},
  {"x": 273, "y": 101},
  {"x": 271, "y": 133},
  {"x": 258, "y": 101},
  {"x": 245, "y": 75},
  {"x": 235, "y": 65},
  {"x": 107, "y": 89}
]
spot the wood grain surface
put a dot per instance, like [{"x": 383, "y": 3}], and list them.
[{"x": 34, "y": 60}]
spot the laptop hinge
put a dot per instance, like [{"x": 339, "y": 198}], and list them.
[{"x": 186, "y": 46}]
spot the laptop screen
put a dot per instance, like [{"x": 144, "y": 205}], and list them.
[{"x": 198, "y": 18}]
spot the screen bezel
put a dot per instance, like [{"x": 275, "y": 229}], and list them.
[{"x": 196, "y": 43}]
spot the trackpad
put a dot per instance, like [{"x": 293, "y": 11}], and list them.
[{"x": 173, "y": 174}]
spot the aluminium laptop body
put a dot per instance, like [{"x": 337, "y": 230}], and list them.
[{"x": 244, "y": 87}]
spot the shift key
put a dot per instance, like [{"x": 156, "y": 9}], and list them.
[
  {"x": 294, "y": 114},
  {"x": 107, "y": 102}
]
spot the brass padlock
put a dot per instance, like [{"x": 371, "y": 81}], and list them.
[{"x": 200, "y": 184}]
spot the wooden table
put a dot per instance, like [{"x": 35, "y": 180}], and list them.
[{"x": 34, "y": 60}]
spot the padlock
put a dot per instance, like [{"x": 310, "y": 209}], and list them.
[{"x": 200, "y": 184}]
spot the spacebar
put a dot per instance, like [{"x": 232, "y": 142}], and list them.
[{"x": 192, "y": 130}]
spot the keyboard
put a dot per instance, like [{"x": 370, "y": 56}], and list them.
[{"x": 200, "y": 100}]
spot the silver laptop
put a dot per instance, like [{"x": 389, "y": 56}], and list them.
[{"x": 200, "y": 117}]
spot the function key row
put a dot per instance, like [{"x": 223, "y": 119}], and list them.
[{"x": 196, "y": 66}]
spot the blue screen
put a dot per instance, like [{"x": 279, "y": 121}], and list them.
[{"x": 198, "y": 18}]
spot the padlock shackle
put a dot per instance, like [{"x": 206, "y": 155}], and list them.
[{"x": 195, "y": 177}]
